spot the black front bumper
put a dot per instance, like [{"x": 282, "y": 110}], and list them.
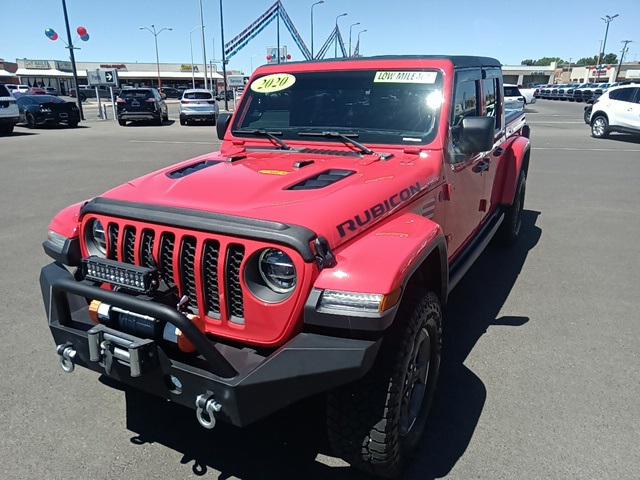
[{"x": 248, "y": 384}]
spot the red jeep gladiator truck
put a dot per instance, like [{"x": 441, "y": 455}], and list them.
[{"x": 314, "y": 253}]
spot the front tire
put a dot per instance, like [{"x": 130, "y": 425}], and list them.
[
  {"x": 122, "y": 123},
  {"x": 599, "y": 127},
  {"x": 376, "y": 422},
  {"x": 31, "y": 121},
  {"x": 510, "y": 228}
]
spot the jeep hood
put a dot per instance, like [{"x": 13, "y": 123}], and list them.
[{"x": 288, "y": 187}]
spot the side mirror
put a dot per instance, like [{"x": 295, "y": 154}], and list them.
[
  {"x": 476, "y": 134},
  {"x": 222, "y": 124}
]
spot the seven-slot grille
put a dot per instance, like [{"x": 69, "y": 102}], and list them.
[{"x": 175, "y": 257}]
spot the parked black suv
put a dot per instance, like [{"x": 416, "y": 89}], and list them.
[{"x": 140, "y": 104}]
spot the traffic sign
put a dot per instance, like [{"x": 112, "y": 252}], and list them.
[{"x": 99, "y": 78}]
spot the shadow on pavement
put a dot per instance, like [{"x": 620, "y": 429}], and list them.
[
  {"x": 285, "y": 445},
  {"x": 18, "y": 133},
  {"x": 624, "y": 137}
]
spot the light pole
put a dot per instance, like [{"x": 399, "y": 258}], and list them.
[
  {"x": 606, "y": 19},
  {"x": 155, "y": 34},
  {"x": 204, "y": 49},
  {"x": 224, "y": 60},
  {"x": 73, "y": 58},
  {"x": 193, "y": 74},
  {"x": 335, "y": 52},
  {"x": 351, "y": 28},
  {"x": 359, "y": 33},
  {"x": 313, "y": 5},
  {"x": 624, "y": 50}
]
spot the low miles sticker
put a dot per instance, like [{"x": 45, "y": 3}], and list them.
[{"x": 405, "y": 77}]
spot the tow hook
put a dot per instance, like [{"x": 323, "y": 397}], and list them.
[
  {"x": 67, "y": 355},
  {"x": 206, "y": 403}
]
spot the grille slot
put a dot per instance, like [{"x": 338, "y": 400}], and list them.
[
  {"x": 322, "y": 180},
  {"x": 146, "y": 249},
  {"x": 187, "y": 272},
  {"x": 210, "y": 257},
  {"x": 235, "y": 254},
  {"x": 114, "y": 230},
  {"x": 129, "y": 245},
  {"x": 167, "y": 244}
]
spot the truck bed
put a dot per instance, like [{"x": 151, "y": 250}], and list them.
[{"x": 514, "y": 120}]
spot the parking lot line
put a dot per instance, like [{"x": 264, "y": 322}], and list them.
[
  {"x": 169, "y": 141},
  {"x": 576, "y": 149},
  {"x": 550, "y": 121}
]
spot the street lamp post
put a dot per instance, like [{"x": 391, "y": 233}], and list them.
[
  {"x": 73, "y": 58},
  {"x": 193, "y": 74},
  {"x": 359, "y": 33},
  {"x": 623, "y": 52},
  {"x": 351, "y": 28},
  {"x": 204, "y": 49},
  {"x": 313, "y": 5},
  {"x": 224, "y": 60},
  {"x": 335, "y": 52},
  {"x": 606, "y": 19},
  {"x": 155, "y": 34}
]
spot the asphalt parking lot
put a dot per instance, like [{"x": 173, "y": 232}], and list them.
[{"x": 541, "y": 374}]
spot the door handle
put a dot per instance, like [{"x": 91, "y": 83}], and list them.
[{"x": 498, "y": 151}]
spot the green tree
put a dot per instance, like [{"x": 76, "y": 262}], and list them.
[
  {"x": 610, "y": 58},
  {"x": 528, "y": 62}
]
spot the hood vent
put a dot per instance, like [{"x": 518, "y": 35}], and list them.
[
  {"x": 322, "y": 180},
  {"x": 324, "y": 151},
  {"x": 193, "y": 168}
]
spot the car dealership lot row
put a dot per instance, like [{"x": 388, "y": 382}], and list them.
[{"x": 541, "y": 365}]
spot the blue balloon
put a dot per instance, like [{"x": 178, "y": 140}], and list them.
[
  {"x": 50, "y": 32},
  {"x": 84, "y": 38}
]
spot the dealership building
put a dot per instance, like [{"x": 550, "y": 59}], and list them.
[{"x": 58, "y": 73}]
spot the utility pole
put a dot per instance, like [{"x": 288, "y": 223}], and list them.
[
  {"x": 278, "y": 31},
  {"x": 204, "y": 49},
  {"x": 335, "y": 52},
  {"x": 351, "y": 28},
  {"x": 624, "y": 50},
  {"x": 224, "y": 60},
  {"x": 155, "y": 34},
  {"x": 193, "y": 74},
  {"x": 313, "y": 5},
  {"x": 606, "y": 19},
  {"x": 73, "y": 58}
]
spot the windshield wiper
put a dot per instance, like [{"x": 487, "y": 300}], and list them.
[
  {"x": 263, "y": 133},
  {"x": 345, "y": 137}
]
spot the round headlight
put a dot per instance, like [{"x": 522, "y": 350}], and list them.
[
  {"x": 97, "y": 241},
  {"x": 277, "y": 270}
]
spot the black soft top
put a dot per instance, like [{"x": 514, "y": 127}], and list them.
[{"x": 459, "y": 61}]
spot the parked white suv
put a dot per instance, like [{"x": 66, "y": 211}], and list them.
[
  {"x": 9, "y": 113},
  {"x": 12, "y": 87},
  {"x": 198, "y": 104},
  {"x": 617, "y": 110}
]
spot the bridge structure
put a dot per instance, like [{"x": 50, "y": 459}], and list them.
[{"x": 278, "y": 13}]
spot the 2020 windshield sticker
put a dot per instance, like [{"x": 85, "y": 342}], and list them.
[
  {"x": 273, "y": 83},
  {"x": 405, "y": 77}
]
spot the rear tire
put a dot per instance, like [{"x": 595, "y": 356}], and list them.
[
  {"x": 31, "y": 121},
  {"x": 122, "y": 123},
  {"x": 510, "y": 228},
  {"x": 599, "y": 127},
  {"x": 183, "y": 121},
  {"x": 376, "y": 422},
  {"x": 6, "y": 129}
]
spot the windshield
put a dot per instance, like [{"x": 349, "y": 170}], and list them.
[{"x": 393, "y": 107}]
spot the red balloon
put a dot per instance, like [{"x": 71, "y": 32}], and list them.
[
  {"x": 269, "y": 57},
  {"x": 288, "y": 56},
  {"x": 54, "y": 37},
  {"x": 81, "y": 31}
]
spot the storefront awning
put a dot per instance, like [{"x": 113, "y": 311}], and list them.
[
  {"x": 36, "y": 72},
  {"x": 5, "y": 73}
]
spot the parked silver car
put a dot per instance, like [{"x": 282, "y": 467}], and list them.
[{"x": 198, "y": 105}]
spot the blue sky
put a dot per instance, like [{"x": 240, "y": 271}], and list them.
[{"x": 505, "y": 29}]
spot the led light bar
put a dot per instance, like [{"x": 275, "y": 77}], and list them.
[{"x": 130, "y": 277}]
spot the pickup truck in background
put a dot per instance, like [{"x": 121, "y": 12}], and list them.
[{"x": 313, "y": 254}]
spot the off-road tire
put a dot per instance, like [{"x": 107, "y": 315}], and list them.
[
  {"x": 364, "y": 418},
  {"x": 599, "y": 126},
  {"x": 511, "y": 224}
]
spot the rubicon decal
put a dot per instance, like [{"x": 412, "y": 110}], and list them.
[{"x": 378, "y": 210}]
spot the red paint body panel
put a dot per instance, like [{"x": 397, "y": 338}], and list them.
[{"x": 378, "y": 221}]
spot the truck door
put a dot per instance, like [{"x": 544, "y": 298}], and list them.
[
  {"x": 464, "y": 177},
  {"x": 493, "y": 105}
]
